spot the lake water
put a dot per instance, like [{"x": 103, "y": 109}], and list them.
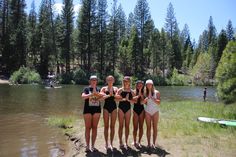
[{"x": 24, "y": 109}]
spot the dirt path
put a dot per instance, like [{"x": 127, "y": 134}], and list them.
[{"x": 185, "y": 146}]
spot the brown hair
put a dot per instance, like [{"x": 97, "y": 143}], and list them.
[{"x": 146, "y": 91}]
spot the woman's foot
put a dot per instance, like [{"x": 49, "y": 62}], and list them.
[
  {"x": 93, "y": 149},
  {"x": 139, "y": 145},
  {"x": 106, "y": 147},
  {"x": 87, "y": 149},
  {"x": 126, "y": 146},
  {"x": 111, "y": 147}
]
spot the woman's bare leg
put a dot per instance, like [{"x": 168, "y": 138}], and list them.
[
  {"x": 121, "y": 123},
  {"x": 95, "y": 120},
  {"x": 106, "y": 125},
  {"x": 88, "y": 127}
]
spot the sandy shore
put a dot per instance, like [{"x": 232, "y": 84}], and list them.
[{"x": 179, "y": 146}]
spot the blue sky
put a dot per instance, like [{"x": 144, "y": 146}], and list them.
[{"x": 195, "y": 13}]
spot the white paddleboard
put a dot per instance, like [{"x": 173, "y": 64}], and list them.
[
  {"x": 219, "y": 121},
  {"x": 208, "y": 120}
]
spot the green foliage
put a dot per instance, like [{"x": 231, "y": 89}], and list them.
[
  {"x": 226, "y": 74},
  {"x": 25, "y": 76},
  {"x": 200, "y": 71},
  {"x": 80, "y": 77},
  {"x": 158, "y": 80},
  {"x": 118, "y": 78},
  {"x": 179, "y": 79},
  {"x": 65, "y": 78}
]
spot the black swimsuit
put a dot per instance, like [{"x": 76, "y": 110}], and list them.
[
  {"x": 138, "y": 107},
  {"x": 125, "y": 105},
  {"x": 110, "y": 104},
  {"x": 90, "y": 109}
]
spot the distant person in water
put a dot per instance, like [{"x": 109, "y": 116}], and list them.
[
  {"x": 92, "y": 111},
  {"x": 109, "y": 110},
  {"x": 204, "y": 93},
  {"x": 51, "y": 78}
]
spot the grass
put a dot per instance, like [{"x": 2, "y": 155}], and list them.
[
  {"x": 179, "y": 131},
  {"x": 180, "y": 119},
  {"x": 62, "y": 122}
]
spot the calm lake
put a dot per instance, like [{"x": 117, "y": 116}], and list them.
[{"x": 24, "y": 111}]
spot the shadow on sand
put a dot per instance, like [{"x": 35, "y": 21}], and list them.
[{"x": 129, "y": 152}]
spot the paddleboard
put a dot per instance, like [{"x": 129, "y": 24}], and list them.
[
  {"x": 219, "y": 121},
  {"x": 208, "y": 120},
  {"x": 48, "y": 87},
  {"x": 228, "y": 122}
]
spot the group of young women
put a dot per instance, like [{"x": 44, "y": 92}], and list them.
[{"x": 145, "y": 100}]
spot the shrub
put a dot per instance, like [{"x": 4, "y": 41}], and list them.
[
  {"x": 65, "y": 78},
  {"x": 25, "y": 75},
  {"x": 80, "y": 77},
  {"x": 178, "y": 79}
]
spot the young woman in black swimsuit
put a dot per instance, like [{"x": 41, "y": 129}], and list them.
[
  {"x": 125, "y": 96},
  {"x": 109, "y": 110},
  {"x": 92, "y": 111},
  {"x": 138, "y": 112}
]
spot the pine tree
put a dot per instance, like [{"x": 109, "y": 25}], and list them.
[
  {"x": 185, "y": 41},
  {"x": 17, "y": 30},
  {"x": 163, "y": 51},
  {"x": 172, "y": 30},
  {"x": 121, "y": 19},
  {"x": 113, "y": 38},
  {"x": 4, "y": 32},
  {"x": 230, "y": 31},
  {"x": 86, "y": 26},
  {"x": 102, "y": 16},
  {"x": 143, "y": 20},
  {"x": 67, "y": 18},
  {"x": 130, "y": 23},
  {"x": 203, "y": 41},
  {"x": 45, "y": 35},
  {"x": 221, "y": 44},
  {"x": 134, "y": 48},
  {"x": 59, "y": 41},
  {"x": 32, "y": 38},
  {"x": 125, "y": 58},
  {"x": 211, "y": 32},
  {"x": 154, "y": 48},
  {"x": 171, "y": 22}
]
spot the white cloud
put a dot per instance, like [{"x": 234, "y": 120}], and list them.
[{"x": 57, "y": 8}]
